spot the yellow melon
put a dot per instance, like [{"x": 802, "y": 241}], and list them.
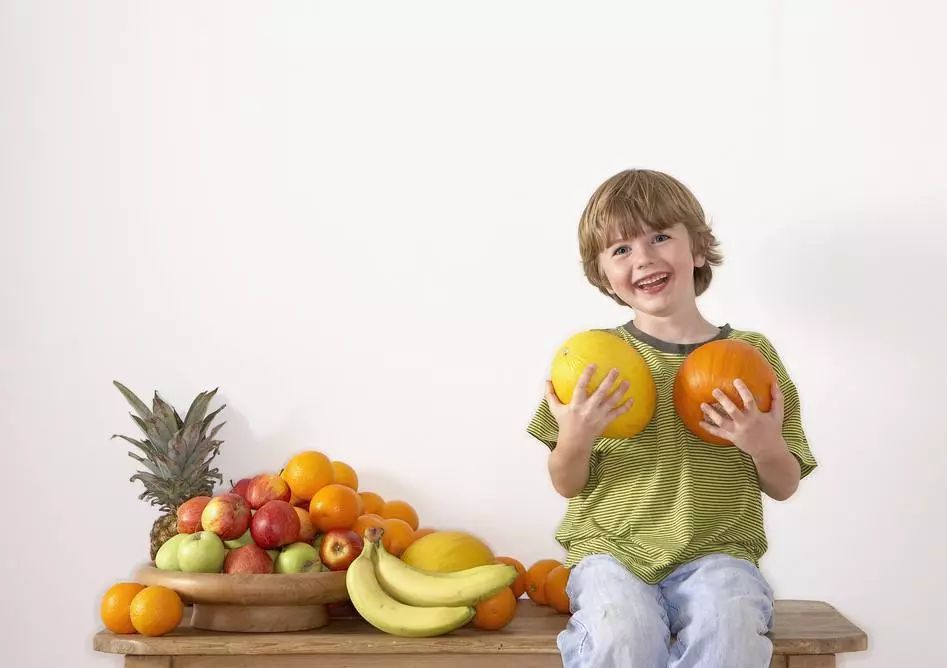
[
  {"x": 607, "y": 351},
  {"x": 447, "y": 551}
]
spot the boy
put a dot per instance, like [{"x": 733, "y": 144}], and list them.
[{"x": 664, "y": 531}]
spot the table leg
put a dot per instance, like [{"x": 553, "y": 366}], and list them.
[
  {"x": 147, "y": 661},
  {"x": 811, "y": 661}
]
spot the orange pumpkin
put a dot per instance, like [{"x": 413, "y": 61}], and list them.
[{"x": 716, "y": 365}]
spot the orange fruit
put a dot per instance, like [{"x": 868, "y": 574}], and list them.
[
  {"x": 308, "y": 472},
  {"x": 398, "y": 535},
  {"x": 555, "y": 589},
  {"x": 155, "y": 610},
  {"x": 497, "y": 611},
  {"x": 335, "y": 506},
  {"x": 297, "y": 502},
  {"x": 401, "y": 510},
  {"x": 373, "y": 503},
  {"x": 306, "y": 529},
  {"x": 345, "y": 475},
  {"x": 420, "y": 533},
  {"x": 365, "y": 521},
  {"x": 536, "y": 579},
  {"x": 519, "y": 584},
  {"x": 115, "y": 605}
]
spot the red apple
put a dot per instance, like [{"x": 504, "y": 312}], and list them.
[
  {"x": 339, "y": 548},
  {"x": 227, "y": 515},
  {"x": 267, "y": 487},
  {"x": 274, "y": 524},
  {"x": 306, "y": 529},
  {"x": 241, "y": 487},
  {"x": 249, "y": 558},
  {"x": 189, "y": 514}
]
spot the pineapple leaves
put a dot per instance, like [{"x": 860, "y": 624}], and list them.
[
  {"x": 145, "y": 446},
  {"x": 213, "y": 432},
  {"x": 177, "y": 454},
  {"x": 210, "y": 418},
  {"x": 203, "y": 473},
  {"x": 190, "y": 435},
  {"x": 135, "y": 402},
  {"x": 152, "y": 466},
  {"x": 199, "y": 454},
  {"x": 148, "y": 427},
  {"x": 160, "y": 492},
  {"x": 199, "y": 406},
  {"x": 177, "y": 450},
  {"x": 165, "y": 415},
  {"x": 154, "y": 461}
]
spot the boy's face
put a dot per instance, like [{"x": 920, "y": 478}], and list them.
[{"x": 653, "y": 273}]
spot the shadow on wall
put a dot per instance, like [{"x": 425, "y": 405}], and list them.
[{"x": 238, "y": 456}]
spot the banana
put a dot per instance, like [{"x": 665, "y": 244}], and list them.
[
  {"x": 416, "y": 587},
  {"x": 390, "y": 615}
]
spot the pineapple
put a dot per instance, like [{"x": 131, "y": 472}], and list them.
[{"x": 178, "y": 454}]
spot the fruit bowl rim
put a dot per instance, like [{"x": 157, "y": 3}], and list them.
[{"x": 249, "y": 588}]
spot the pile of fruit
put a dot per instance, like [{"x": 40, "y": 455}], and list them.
[
  {"x": 303, "y": 519},
  {"x": 406, "y": 601},
  {"x": 308, "y": 517}
]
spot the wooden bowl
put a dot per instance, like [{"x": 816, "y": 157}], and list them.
[{"x": 253, "y": 603}]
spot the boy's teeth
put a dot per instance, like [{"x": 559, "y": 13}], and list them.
[{"x": 652, "y": 281}]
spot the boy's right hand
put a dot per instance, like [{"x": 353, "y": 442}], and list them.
[{"x": 587, "y": 415}]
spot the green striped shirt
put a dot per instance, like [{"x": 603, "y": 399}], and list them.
[{"x": 665, "y": 497}]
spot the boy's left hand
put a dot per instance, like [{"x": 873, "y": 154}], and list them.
[{"x": 749, "y": 429}]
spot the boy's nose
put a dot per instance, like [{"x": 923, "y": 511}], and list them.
[{"x": 644, "y": 259}]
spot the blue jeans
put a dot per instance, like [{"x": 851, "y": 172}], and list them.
[{"x": 718, "y": 606}]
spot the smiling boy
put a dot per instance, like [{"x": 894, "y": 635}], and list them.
[{"x": 663, "y": 530}]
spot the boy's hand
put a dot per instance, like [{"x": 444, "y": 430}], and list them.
[
  {"x": 587, "y": 415},
  {"x": 750, "y": 429}
]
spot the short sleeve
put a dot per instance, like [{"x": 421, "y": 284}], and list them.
[
  {"x": 543, "y": 426},
  {"x": 793, "y": 433}
]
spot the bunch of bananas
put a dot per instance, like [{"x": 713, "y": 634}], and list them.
[{"x": 405, "y": 601}]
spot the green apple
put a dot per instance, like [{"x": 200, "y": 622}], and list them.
[
  {"x": 167, "y": 557},
  {"x": 201, "y": 552},
  {"x": 298, "y": 558},
  {"x": 245, "y": 539}
]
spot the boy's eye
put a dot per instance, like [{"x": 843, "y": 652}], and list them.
[
  {"x": 621, "y": 250},
  {"x": 661, "y": 234}
]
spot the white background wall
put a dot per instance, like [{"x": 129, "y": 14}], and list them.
[{"x": 359, "y": 220}]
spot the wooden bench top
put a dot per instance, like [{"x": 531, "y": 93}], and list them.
[{"x": 801, "y": 628}]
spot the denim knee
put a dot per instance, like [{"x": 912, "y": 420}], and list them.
[
  {"x": 617, "y": 619},
  {"x": 740, "y": 617},
  {"x": 614, "y": 635}
]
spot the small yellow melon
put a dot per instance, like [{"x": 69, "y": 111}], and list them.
[
  {"x": 607, "y": 351},
  {"x": 447, "y": 552}
]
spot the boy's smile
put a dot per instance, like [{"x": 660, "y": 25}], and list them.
[
  {"x": 653, "y": 283},
  {"x": 645, "y": 272}
]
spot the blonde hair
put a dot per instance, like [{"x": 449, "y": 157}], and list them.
[{"x": 633, "y": 202}]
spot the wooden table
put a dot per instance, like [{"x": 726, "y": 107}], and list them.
[{"x": 807, "y": 634}]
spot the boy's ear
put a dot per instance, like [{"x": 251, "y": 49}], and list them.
[{"x": 699, "y": 260}]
